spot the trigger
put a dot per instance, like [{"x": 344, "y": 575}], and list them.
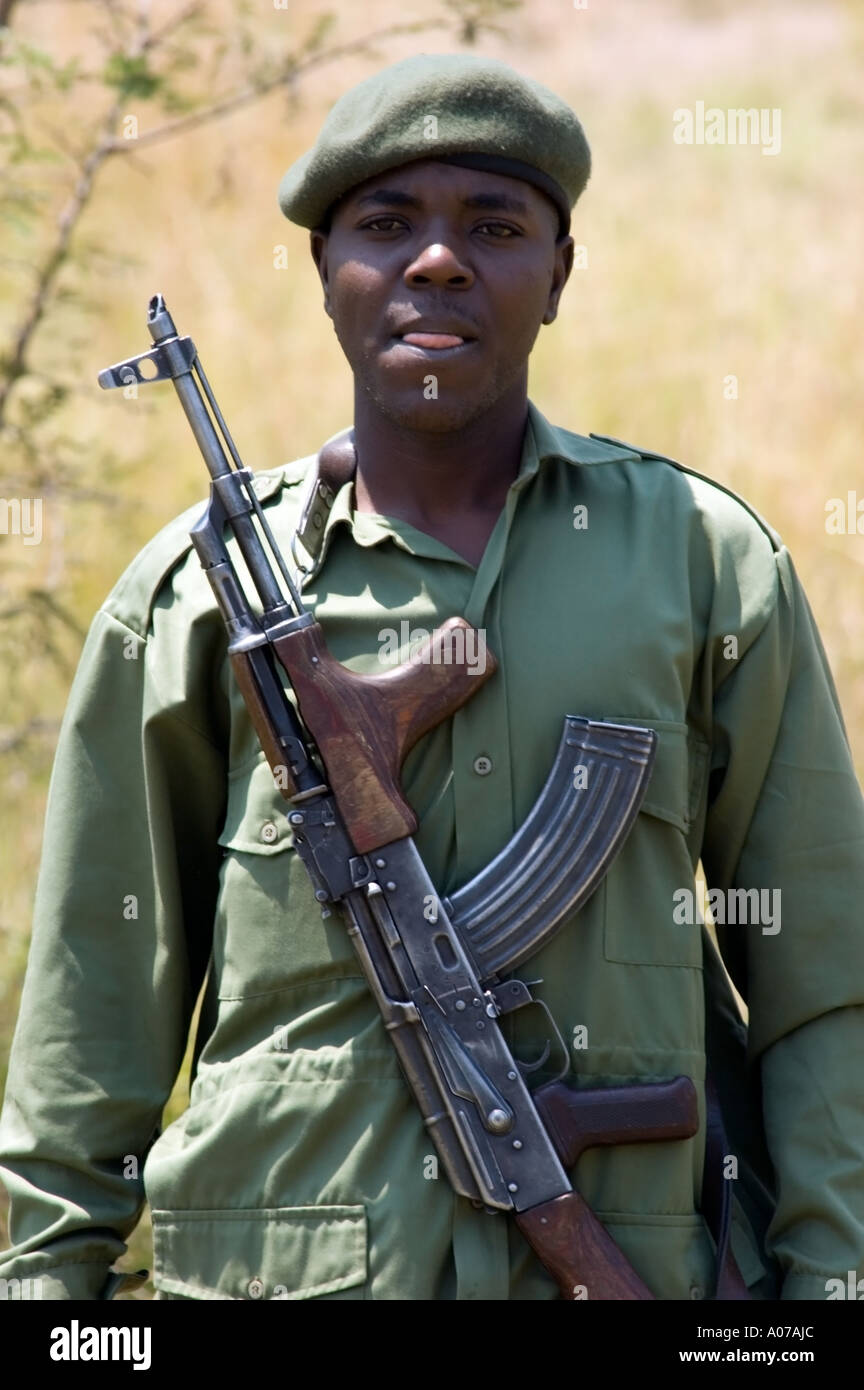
[{"x": 527, "y": 1067}]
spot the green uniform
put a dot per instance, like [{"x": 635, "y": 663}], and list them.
[{"x": 615, "y": 586}]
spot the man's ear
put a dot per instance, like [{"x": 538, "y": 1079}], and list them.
[
  {"x": 564, "y": 250},
  {"x": 318, "y": 247}
]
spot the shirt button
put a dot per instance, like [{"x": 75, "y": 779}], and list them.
[
  {"x": 482, "y": 765},
  {"x": 269, "y": 832},
  {"x": 255, "y": 1288},
  {"x": 695, "y": 1291}
]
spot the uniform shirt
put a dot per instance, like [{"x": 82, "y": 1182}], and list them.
[{"x": 301, "y": 1168}]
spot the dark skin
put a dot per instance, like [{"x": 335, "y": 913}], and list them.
[{"x": 467, "y": 266}]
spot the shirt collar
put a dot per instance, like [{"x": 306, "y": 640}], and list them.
[
  {"x": 553, "y": 442},
  {"x": 543, "y": 442}
]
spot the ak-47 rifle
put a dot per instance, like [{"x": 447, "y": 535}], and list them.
[{"x": 434, "y": 966}]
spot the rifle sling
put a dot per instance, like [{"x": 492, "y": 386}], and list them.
[
  {"x": 335, "y": 465},
  {"x": 717, "y": 1199}
]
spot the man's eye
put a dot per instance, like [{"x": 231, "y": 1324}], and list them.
[
  {"x": 502, "y": 231},
  {"x": 382, "y": 224}
]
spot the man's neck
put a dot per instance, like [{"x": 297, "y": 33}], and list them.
[{"x": 433, "y": 480}]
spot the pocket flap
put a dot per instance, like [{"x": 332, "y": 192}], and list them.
[
  {"x": 674, "y": 1253},
  {"x": 675, "y": 786},
  {"x": 272, "y": 1253},
  {"x": 255, "y": 819},
  {"x": 639, "y": 925}
]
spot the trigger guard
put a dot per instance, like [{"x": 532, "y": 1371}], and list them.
[{"x": 527, "y": 1067}]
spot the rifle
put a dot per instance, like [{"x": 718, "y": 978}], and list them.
[{"x": 434, "y": 966}]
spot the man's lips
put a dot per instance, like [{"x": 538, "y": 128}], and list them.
[{"x": 433, "y": 340}]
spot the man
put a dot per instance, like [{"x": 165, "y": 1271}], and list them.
[{"x": 609, "y": 583}]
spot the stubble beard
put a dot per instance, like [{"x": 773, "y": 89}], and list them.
[{"x": 435, "y": 415}]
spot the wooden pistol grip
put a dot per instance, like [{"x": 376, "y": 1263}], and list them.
[
  {"x": 647, "y": 1113},
  {"x": 364, "y": 725},
  {"x": 578, "y": 1252},
  {"x": 276, "y": 757}
]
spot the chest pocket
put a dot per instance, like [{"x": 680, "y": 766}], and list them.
[
  {"x": 270, "y": 934},
  {"x": 274, "y": 1253},
  {"x": 640, "y": 928}
]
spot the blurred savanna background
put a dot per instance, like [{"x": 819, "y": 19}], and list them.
[{"x": 715, "y": 315}]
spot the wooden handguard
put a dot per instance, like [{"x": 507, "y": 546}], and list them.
[
  {"x": 575, "y": 1248},
  {"x": 276, "y": 756},
  {"x": 364, "y": 725}
]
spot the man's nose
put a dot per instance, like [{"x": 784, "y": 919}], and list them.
[{"x": 439, "y": 264}]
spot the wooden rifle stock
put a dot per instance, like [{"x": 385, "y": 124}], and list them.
[
  {"x": 564, "y": 1233},
  {"x": 364, "y": 726}
]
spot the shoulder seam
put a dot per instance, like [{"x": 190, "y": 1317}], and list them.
[
  {"x": 121, "y": 622},
  {"x": 173, "y": 557},
  {"x": 267, "y": 491},
  {"x": 773, "y": 536}
]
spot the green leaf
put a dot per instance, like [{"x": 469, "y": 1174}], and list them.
[{"x": 131, "y": 76}]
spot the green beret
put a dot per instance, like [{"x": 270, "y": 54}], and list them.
[{"x": 486, "y": 116}]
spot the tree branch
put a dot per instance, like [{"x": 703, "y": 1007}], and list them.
[
  {"x": 15, "y": 364},
  {"x": 261, "y": 89}
]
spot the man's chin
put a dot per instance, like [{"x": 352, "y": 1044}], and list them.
[{"x": 432, "y": 416}]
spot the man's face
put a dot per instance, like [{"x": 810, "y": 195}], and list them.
[{"x": 437, "y": 279}]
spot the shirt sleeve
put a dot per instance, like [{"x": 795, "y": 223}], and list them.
[
  {"x": 812, "y": 1106},
  {"x": 120, "y": 942},
  {"x": 786, "y": 817}
]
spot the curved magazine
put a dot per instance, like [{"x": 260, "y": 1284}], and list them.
[{"x": 560, "y": 854}]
